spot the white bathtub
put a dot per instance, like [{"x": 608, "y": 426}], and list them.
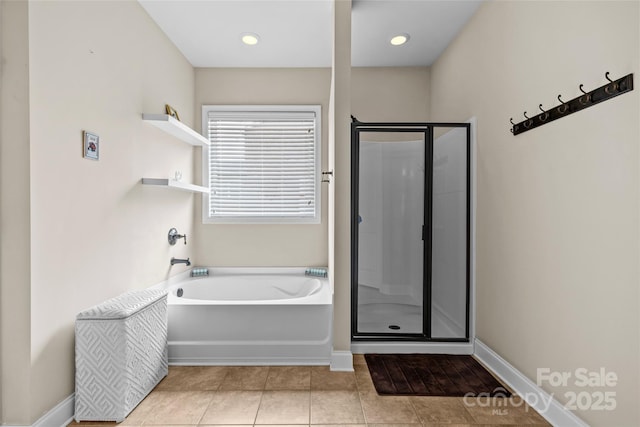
[{"x": 250, "y": 316}]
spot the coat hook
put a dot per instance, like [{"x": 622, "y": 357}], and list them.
[
  {"x": 562, "y": 108},
  {"x": 584, "y": 99},
  {"x": 529, "y": 122},
  {"x": 515, "y": 126},
  {"x": 545, "y": 116},
  {"x": 610, "y": 88}
]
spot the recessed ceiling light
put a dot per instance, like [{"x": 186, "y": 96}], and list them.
[
  {"x": 250, "y": 39},
  {"x": 400, "y": 39}
]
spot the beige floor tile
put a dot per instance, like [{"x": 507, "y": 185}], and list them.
[
  {"x": 92, "y": 423},
  {"x": 478, "y": 425},
  {"x": 387, "y": 409},
  {"x": 178, "y": 407},
  {"x": 346, "y": 425},
  {"x": 289, "y": 378},
  {"x": 232, "y": 407},
  {"x": 336, "y": 407},
  {"x": 298, "y": 396},
  {"x": 245, "y": 378},
  {"x": 503, "y": 411},
  {"x": 322, "y": 378},
  {"x": 453, "y": 425},
  {"x": 363, "y": 380},
  {"x": 144, "y": 408},
  {"x": 193, "y": 378},
  {"x": 358, "y": 359},
  {"x": 398, "y": 425},
  {"x": 532, "y": 415},
  {"x": 361, "y": 368},
  {"x": 284, "y": 407},
  {"x": 103, "y": 424},
  {"x": 481, "y": 425},
  {"x": 441, "y": 410}
]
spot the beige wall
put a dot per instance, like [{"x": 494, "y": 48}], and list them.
[
  {"x": 557, "y": 217},
  {"x": 95, "y": 231},
  {"x": 390, "y": 94},
  {"x": 341, "y": 181},
  {"x": 15, "y": 245},
  {"x": 293, "y": 245}
]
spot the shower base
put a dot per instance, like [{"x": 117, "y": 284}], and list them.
[
  {"x": 381, "y": 317},
  {"x": 402, "y": 314},
  {"x": 400, "y": 318}
]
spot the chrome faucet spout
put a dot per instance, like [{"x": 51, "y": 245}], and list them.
[{"x": 175, "y": 261}]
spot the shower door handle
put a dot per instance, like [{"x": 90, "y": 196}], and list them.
[{"x": 423, "y": 232}]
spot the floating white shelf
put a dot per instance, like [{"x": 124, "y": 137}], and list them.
[
  {"x": 176, "y": 128},
  {"x": 172, "y": 183}
]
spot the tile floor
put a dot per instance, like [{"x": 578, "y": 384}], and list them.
[{"x": 278, "y": 396}]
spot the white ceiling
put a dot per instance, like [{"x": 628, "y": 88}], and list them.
[
  {"x": 431, "y": 24},
  {"x": 297, "y": 33}
]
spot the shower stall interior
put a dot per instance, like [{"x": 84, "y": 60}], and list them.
[{"x": 411, "y": 232}]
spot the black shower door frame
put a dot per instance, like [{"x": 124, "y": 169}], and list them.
[{"x": 428, "y": 130}]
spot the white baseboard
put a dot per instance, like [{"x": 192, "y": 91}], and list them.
[
  {"x": 60, "y": 415},
  {"x": 341, "y": 361},
  {"x": 544, "y": 403}
]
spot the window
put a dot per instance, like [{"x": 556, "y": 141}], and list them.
[{"x": 262, "y": 164}]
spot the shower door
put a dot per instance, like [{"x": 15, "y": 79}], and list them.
[{"x": 410, "y": 228}]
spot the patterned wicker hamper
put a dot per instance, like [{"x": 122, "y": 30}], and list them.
[{"x": 121, "y": 354}]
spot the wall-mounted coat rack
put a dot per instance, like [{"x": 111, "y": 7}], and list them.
[{"x": 587, "y": 99}]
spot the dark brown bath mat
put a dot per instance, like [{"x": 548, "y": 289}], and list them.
[{"x": 431, "y": 375}]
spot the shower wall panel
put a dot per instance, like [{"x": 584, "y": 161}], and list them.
[
  {"x": 449, "y": 235},
  {"x": 391, "y": 216}
]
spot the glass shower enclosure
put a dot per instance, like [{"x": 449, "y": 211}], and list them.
[{"x": 410, "y": 228}]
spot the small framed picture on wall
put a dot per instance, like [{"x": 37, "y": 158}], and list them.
[{"x": 91, "y": 145}]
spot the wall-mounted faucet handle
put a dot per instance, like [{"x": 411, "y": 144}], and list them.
[{"x": 173, "y": 236}]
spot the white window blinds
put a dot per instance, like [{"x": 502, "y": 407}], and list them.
[{"x": 263, "y": 166}]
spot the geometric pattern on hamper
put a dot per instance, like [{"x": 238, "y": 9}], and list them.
[{"x": 121, "y": 354}]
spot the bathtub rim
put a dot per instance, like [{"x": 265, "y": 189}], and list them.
[{"x": 324, "y": 297}]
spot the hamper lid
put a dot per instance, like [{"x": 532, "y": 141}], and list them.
[{"x": 123, "y": 305}]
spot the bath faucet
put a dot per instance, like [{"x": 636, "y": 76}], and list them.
[
  {"x": 173, "y": 236},
  {"x": 175, "y": 261}
]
